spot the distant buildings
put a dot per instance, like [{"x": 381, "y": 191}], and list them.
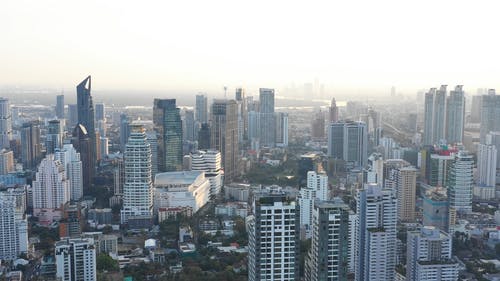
[
  {"x": 348, "y": 141},
  {"x": 60, "y": 107},
  {"x": 333, "y": 112},
  {"x": 490, "y": 114},
  {"x": 281, "y": 129},
  {"x": 168, "y": 127},
  {"x": 201, "y": 109},
  {"x": 54, "y": 136},
  {"x": 76, "y": 259},
  {"x": 487, "y": 164},
  {"x": 6, "y": 161},
  {"x": 31, "y": 146},
  {"x": 267, "y": 118},
  {"x": 5, "y": 123}
]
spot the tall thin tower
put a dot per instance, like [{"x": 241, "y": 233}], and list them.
[{"x": 86, "y": 115}]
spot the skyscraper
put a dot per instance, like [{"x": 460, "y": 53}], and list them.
[
  {"x": 273, "y": 237},
  {"x": 82, "y": 143},
  {"x": 267, "y": 117},
  {"x": 204, "y": 137},
  {"x": 435, "y": 115},
  {"x": 60, "y": 106},
  {"x": 6, "y": 161},
  {"x": 490, "y": 114},
  {"x": 475, "y": 111},
  {"x": 429, "y": 257},
  {"x": 210, "y": 162},
  {"x": 281, "y": 129},
  {"x": 406, "y": 193},
  {"x": 54, "y": 137},
  {"x": 153, "y": 144},
  {"x": 86, "y": 116},
  {"x": 76, "y": 259},
  {"x": 124, "y": 131},
  {"x": 13, "y": 229},
  {"x": 242, "y": 114},
  {"x": 138, "y": 187},
  {"x": 334, "y": 112},
  {"x": 72, "y": 115},
  {"x": 31, "y": 147},
  {"x": 168, "y": 126},
  {"x": 201, "y": 109},
  {"x": 100, "y": 111},
  {"x": 487, "y": 164},
  {"x": 317, "y": 189},
  {"x": 224, "y": 135},
  {"x": 435, "y": 209},
  {"x": 328, "y": 256},
  {"x": 375, "y": 234},
  {"x": 348, "y": 140},
  {"x": 51, "y": 189},
  {"x": 455, "y": 115},
  {"x": 318, "y": 126},
  {"x": 73, "y": 167},
  {"x": 460, "y": 181},
  {"x": 190, "y": 131},
  {"x": 5, "y": 123}
]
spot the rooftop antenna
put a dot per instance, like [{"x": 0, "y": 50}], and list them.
[{"x": 225, "y": 92}]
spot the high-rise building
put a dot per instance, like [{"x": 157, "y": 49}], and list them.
[
  {"x": 73, "y": 167},
  {"x": 273, "y": 237},
  {"x": 460, "y": 182},
  {"x": 406, "y": 193},
  {"x": 13, "y": 229},
  {"x": 54, "y": 137},
  {"x": 242, "y": 114},
  {"x": 348, "y": 140},
  {"x": 455, "y": 115},
  {"x": 253, "y": 125},
  {"x": 210, "y": 162},
  {"x": 51, "y": 189},
  {"x": 189, "y": 127},
  {"x": 124, "y": 131},
  {"x": 76, "y": 259},
  {"x": 5, "y": 123},
  {"x": 490, "y": 114},
  {"x": 204, "y": 137},
  {"x": 201, "y": 109},
  {"x": 100, "y": 111},
  {"x": 153, "y": 144},
  {"x": 328, "y": 256},
  {"x": 318, "y": 126},
  {"x": 224, "y": 135},
  {"x": 168, "y": 126},
  {"x": 82, "y": 143},
  {"x": 281, "y": 129},
  {"x": 475, "y": 111},
  {"x": 6, "y": 161},
  {"x": 267, "y": 118},
  {"x": 119, "y": 176},
  {"x": 487, "y": 164},
  {"x": 86, "y": 116},
  {"x": 72, "y": 115},
  {"x": 435, "y": 209},
  {"x": 334, "y": 112},
  {"x": 70, "y": 224},
  {"x": 31, "y": 147},
  {"x": 429, "y": 257},
  {"x": 375, "y": 234},
  {"x": 317, "y": 189},
  {"x": 60, "y": 106},
  {"x": 435, "y": 115},
  {"x": 138, "y": 187}
]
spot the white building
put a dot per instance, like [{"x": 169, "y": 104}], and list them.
[
  {"x": 13, "y": 229},
  {"x": 429, "y": 256},
  {"x": 73, "y": 166},
  {"x": 486, "y": 164},
  {"x": 51, "y": 189},
  {"x": 76, "y": 260},
  {"x": 181, "y": 189},
  {"x": 210, "y": 162},
  {"x": 375, "y": 234},
  {"x": 317, "y": 189},
  {"x": 460, "y": 182},
  {"x": 138, "y": 187},
  {"x": 273, "y": 237}
]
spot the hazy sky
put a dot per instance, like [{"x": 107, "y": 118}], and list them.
[{"x": 203, "y": 45}]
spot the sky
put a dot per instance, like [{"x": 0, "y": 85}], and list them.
[{"x": 203, "y": 45}]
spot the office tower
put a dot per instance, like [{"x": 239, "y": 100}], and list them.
[
  {"x": 72, "y": 115},
  {"x": 153, "y": 144},
  {"x": 267, "y": 118},
  {"x": 82, "y": 143},
  {"x": 406, "y": 193},
  {"x": 103, "y": 147},
  {"x": 204, "y": 137},
  {"x": 76, "y": 259},
  {"x": 201, "y": 109},
  {"x": 435, "y": 115},
  {"x": 168, "y": 127},
  {"x": 328, "y": 256},
  {"x": 459, "y": 182},
  {"x": 317, "y": 189},
  {"x": 86, "y": 116},
  {"x": 119, "y": 176},
  {"x": 490, "y": 114},
  {"x": 124, "y": 131},
  {"x": 70, "y": 158},
  {"x": 333, "y": 112},
  {"x": 429, "y": 257},
  {"x": 54, "y": 137},
  {"x": 190, "y": 130},
  {"x": 5, "y": 123},
  {"x": 51, "y": 189},
  {"x": 486, "y": 164},
  {"x": 375, "y": 234},
  {"x": 210, "y": 162},
  {"x": 273, "y": 237},
  {"x": 475, "y": 111},
  {"x": 435, "y": 209},
  {"x": 455, "y": 115},
  {"x": 6, "y": 161},
  {"x": 100, "y": 111},
  {"x": 138, "y": 187},
  {"x": 101, "y": 128},
  {"x": 348, "y": 140},
  {"x": 318, "y": 126},
  {"x": 281, "y": 129},
  {"x": 253, "y": 125},
  {"x": 224, "y": 135},
  {"x": 60, "y": 106},
  {"x": 13, "y": 229},
  {"x": 31, "y": 148},
  {"x": 242, "y": 114},
  {"x": 70, "y": 224}
]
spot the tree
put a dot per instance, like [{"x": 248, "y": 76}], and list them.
[{"x": 105, "y": 262}]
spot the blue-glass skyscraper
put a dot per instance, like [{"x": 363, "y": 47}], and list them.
[
  {"x": 168, "y": 127},
  {"x": 86, "y": 115}
]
